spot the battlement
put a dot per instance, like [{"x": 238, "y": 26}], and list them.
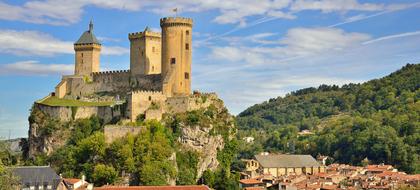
[
  {"x": 137, "y": 35},
  {"x": 148, "y": 92},
  {"x": 87, "y": 46},
  {"x": 109, "y": 72},
  {"x": 176, "y": 21}
]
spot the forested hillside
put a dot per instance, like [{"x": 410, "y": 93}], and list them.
[{"x": 378, "y": 120}]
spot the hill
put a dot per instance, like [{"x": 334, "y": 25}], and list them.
[{"x": 378, "y": 120}]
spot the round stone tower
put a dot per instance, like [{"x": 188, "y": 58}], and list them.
[{"x": 176, "y": 55}]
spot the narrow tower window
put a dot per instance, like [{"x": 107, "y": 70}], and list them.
[
  {"x": 187, "y": 46},
  {"x": 153, "y": 68},
  {"x": 173, "y": 60},
  {"x": 187, "y": 75},
  {"x": 187, "y": 32}
]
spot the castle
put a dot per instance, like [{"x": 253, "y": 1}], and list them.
[{"x": 159, "y": 78}]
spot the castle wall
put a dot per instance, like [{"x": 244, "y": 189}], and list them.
[
  {"x": 114, "y": 132},
  {"x": 113, "y": 82},
  {"x": 189, "y": 103},
  {"x": 65, "y": 113},
  {"x": 61, "y": 89},
  {"x": 176, "y": 53},
  {"x": 140, "y": 101}
]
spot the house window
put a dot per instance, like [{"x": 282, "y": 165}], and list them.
[
  {"x": 173, "y": 61},
  {"x": 150, "y": 98},
  {"x": 187, "y": 75},
  {"x": 82, "y": 54},
  {"x": 153, "y": 49},
  {"x": 187, "y": 46},
  {"x": 153, "y": 68},
  {"x": 187, "y": 32},
  {"x": 142, "y": 53}
]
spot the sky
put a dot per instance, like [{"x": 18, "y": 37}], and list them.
[{"x": 247, "y": 51}]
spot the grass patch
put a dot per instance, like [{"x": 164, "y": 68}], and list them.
[{"x": 54, "y": 101}]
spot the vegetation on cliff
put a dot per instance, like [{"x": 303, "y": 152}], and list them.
[
  {"x": 155, "y": 156},
  {"x": 378, "y": 120}
]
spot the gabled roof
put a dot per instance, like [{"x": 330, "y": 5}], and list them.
[
  {"x": 88, "y": 37},
  {"x": 33, "y": 175},
  {"x": 286, "y": 160}
]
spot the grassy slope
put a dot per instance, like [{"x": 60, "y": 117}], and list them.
[{"x": 54, "y": 101}]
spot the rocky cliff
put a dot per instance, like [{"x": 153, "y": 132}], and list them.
[{"x": 203, "y": 131}]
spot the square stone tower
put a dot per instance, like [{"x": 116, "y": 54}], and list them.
[
  {"x": 145, "y": 52},
  {"x": 176, "y": 55},
  {"x": 87, "y": 54}
]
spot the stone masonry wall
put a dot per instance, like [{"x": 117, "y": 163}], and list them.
[
  {"x": 114, "y": 82},
  {"x": 113, "y": 132},
  {"x": 64, "y": 113},
  {"x": 140, "y": 101}
]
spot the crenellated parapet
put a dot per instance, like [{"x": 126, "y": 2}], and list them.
[
  {"x": 148, "y": 92},
  {"x": 87, "y": 46},
  {"x": 146, "y": 33},
  {"x": 110, "y": 72},
  {"x": 176, "y": 21}
]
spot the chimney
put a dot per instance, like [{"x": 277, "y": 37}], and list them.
[{"x": 83, "y": 179}]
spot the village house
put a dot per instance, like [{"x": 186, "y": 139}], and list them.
[
  {"x": 77, "y": 184},
  {"x": 187, "y": 187},
  {"x": 37, "y": 178},
  {"x": 286, "y": 164}
]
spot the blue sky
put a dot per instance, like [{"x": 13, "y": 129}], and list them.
[{"x": 245, "y": 50}]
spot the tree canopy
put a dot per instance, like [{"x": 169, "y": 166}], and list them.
[{"x": 378, "y": 120}]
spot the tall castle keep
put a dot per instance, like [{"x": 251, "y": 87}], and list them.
[{"x": 160, "y": 70}]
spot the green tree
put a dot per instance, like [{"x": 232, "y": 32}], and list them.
[
  {"x": 152, "y": 152},
  {"x": 103, "y": 174}
]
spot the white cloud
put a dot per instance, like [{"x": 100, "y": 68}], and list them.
[
  {"x": 59, "y": 12},
  {"x": 241, "y": 83},
  {"x": 35, "y": 68},
  {"x": 42, "y": 44},
  {"x": 297, "y": 42},
  {"x": 114, "y": 50},
  {"x": 327, "y": 6},
  {"x": 304, "y": 41},
  {"x": 389, "y": 9},
  {"x": 406, "y": 34},
  {"x": 229, "y": 11}
]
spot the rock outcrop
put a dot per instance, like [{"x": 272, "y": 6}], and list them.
[{"x": 206, "y": 145}]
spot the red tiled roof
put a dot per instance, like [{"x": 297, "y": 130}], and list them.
[
  {"x": 189, "y": 187},
  {"x": 71, "y": 180},
  {"x": 253, "y": 188},
  {"x": 328, "y": 187},
  {"x": 250, "y": 181}
]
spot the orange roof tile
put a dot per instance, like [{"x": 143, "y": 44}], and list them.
[
  {"x": 188, "y": 187},
  {"x": 253, "y": 188},
  {"x": 71, "y": 180},
  {"x": 250, "y": 181}
]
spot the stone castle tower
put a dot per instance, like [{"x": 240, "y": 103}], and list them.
[
  {"x": 87, "y": 50},
  {"x": 176, "y": 55},
  {"x": 145, "y": 52},
  {"x": 159, "y": 79}
]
